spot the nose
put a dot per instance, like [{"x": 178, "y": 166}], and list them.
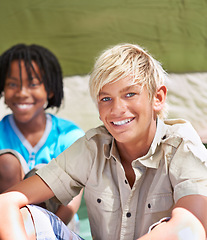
[
  {"x": 118, "y": 106},
  {"x": 22, "y": 92}
]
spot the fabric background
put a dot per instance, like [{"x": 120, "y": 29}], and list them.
[{"x": 76, "y": 31}]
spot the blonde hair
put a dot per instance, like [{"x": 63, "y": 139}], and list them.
[{"x": 126, "y": 60}]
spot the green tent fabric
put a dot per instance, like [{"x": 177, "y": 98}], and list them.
[{"x": 77, "y": 31}]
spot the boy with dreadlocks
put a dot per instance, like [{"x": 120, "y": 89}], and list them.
[{"x": 31, "y": 82}]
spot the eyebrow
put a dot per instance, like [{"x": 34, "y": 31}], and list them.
[
  {"x": 17, "y": 79},
  {"x": 131, "y": 87},
  {"x": 13, "y": 78},
  {"x": 102, "y": 93}
]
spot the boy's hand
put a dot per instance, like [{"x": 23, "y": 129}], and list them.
[{"x": 188, "y": 221}]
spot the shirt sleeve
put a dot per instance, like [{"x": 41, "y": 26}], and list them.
[
  {"x": 69, "y": 172},
  {"x": 188, "y": 170}
]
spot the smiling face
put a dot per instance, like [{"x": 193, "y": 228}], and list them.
[
  {"x": 127, "y": 112},
  {"x": 26, "y": 99}
]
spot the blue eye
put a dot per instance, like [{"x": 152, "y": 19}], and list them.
[
  {"x": 130, "y": 94},
  {"x": 105, "y": 99}
]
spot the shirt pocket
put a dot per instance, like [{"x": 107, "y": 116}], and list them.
[
  {"x": 102, "y": 201},
  {"x": 104, "y": 208},
  {"x": 159, "y": 203}
]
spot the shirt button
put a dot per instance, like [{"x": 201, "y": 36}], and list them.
[
  {"x": 128, "y": 214},
  {"x": 98, "y": 200},
  {"x": 149, "y": 205}
]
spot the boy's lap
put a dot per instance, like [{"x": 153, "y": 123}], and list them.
[{"x": 45, "y": 225}]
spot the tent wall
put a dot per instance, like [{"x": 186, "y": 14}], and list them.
[{"x": 174, "y": 31}]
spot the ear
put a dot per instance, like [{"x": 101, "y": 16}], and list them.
[
  {"x": 50, "y": 95},
  {"x": 160, "y": 98}
]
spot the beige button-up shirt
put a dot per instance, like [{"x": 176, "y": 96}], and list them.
[{"x": 174, "y": 167}]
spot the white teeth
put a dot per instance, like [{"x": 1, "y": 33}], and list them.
[
  {"x": 119, "y": 123},
  {"x": 24, "y": 106}
]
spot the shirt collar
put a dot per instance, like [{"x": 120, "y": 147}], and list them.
[
  {"x": 152, "y": 158},
  {"x": 154, "y": 155},
  {"x": 110, "y": 150}
]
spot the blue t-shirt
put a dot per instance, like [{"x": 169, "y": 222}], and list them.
[{"x": 59, "y": 134}]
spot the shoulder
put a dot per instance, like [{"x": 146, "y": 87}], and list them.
[
  {"x": 95, "y": 140},
  {"x": 92, "y": 147},
  {"x": 63, "y": 124},
  {"x": 181, "y": 135},
  {"x": 8, "y": 136},
  {"x": 4, "y": 123},
  {"x": 5, "y": 119},
  {"x": 64, "y": 132},
  {"x": 180, "y": 130},
  {"x": 99, "y": 133}
]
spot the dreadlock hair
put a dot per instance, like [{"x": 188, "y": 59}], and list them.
[{"x": 50, "y": 70}]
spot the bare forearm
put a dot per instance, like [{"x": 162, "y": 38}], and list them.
[
  {"x": 31, "y": 190},
  {"x": 11, "y": 222}
]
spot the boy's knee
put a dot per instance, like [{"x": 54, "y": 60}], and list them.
[
  {"x": 10, "y": 171},
  {"x": 28, "y": 223}
]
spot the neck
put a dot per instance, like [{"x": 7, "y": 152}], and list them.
[
  {"x": 33, "y": 126},
  {"x": 131, "y": 151}
]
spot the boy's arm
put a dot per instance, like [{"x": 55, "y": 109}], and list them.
[
  {"x": 66, "y": 213},
  {"x": 31, "y": 190},
  {"x": 188, "y": 221}
]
